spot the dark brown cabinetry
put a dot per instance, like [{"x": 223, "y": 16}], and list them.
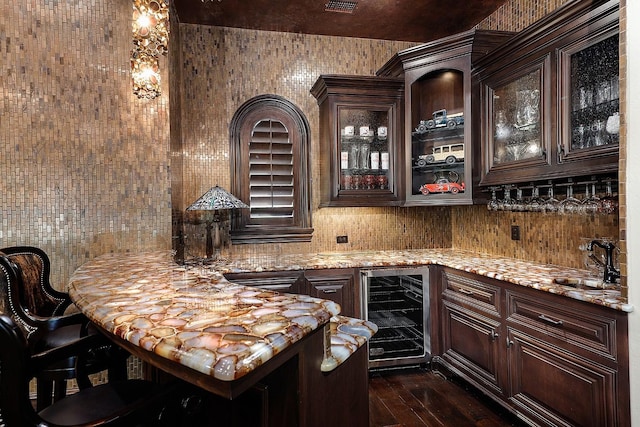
[
  {"x": 549, "y": 98},
  {"x": 550, "y": 359},
  {"x": 359, "y": 137},
  {"x": 471, "y": 323},
  {"x": 438, "y": 124},
  {"x": 340, "y": 285}
]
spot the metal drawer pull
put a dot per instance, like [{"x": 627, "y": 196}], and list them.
[
  {"x": 550, "y": 320},
  {"x": 493, "y": 335},
  {"x": 329, "y": 291},
  {"x": 465, "y": 291}
]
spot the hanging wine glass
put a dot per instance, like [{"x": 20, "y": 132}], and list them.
[
  {"x": 536, "y": 204},
  {"x": 592, "y": 203},
  {"x": 551, "y": 204},
  {"x": 570, "y": 205},
  {"x": 609, "y": 203},
  {"x": 518, "y": 203},
  {"x": 493, "y": 203},
  {"x": 507, "y": 203}
]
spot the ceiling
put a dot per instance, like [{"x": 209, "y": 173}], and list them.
[{"x": 405, "y": 20}]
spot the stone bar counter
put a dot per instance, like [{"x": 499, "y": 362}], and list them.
[
  {"x": 229, "y": 339},
  {"x": 573, "y": 283},
  {"x": 226, "y": 338}
]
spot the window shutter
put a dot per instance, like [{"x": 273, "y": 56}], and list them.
[
  {"x": 270, "y": 171},
  {"x": 271, "y": 180}
]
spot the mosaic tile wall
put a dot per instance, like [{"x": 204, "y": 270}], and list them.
[
  {"x": 222, "y": 68},
  {"x": 84, "y": 163},
  {"x": 623, "y": 146},
  {"x": 516, "y": 15}
]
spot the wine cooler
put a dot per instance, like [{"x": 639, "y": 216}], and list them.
[{"x": 397, "y": 301}]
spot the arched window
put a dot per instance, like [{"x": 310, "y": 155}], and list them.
[{"x": 270, "y": 171}]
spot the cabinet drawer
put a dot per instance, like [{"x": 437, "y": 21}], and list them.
[
  {"x": 579, "y": 325},
  {"x": 472, "y": 293}
]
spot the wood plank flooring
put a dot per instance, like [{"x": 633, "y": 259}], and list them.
[{"x": 416, "y": 397}]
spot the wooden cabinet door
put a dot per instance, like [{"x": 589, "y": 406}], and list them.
[
  {"x": 551, "y": 386},
  {"x": 471, "y": 346},
  {"x": 339, "y": 286}
]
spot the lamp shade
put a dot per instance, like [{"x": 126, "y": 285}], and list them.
[{"x": 216, "y": 199}]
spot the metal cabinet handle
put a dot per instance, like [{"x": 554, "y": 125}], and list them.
[
  {"x": 465, "y": 291},
  {"x": 509, "y": 342},
  {"x": 493, "y": 335},
  {"x": 329, "y": 291},
  {"x": 549, "y": 320}
]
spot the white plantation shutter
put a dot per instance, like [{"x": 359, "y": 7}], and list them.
[{"x": 271, "y": 175}]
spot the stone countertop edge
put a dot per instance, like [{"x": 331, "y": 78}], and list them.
[
  {"x": 347, "y": 335},
  {"x": 519, "y": 272}
]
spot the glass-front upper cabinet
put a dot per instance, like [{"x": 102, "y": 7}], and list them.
[
  {"x": 549, "y": 98},
  {"x": 364, "y": 148},
  {"x": 516, "y": 120},
  {"x": 516, "y": 106},
  {"x": 359, "y": 139},
  {"x": 590, "y": 77},
  {"x": 438, "y": 155}
]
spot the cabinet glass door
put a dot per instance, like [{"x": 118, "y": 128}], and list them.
[
  {"x": 593, "y": 88},
  {"x": 516, "y": 120},
  {"x": 363, "y": 146}
]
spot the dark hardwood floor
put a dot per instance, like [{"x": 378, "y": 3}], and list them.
[{"x": 414, "y": 397}]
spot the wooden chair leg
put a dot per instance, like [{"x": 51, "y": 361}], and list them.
[
  {"x": 83, "y": 381},
  {"x": 60, "y": 390},
  {"x": 43, "y": 393}
]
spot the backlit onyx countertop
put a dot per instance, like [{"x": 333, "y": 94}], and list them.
[
  {"x": 195, "y": 317},
  {"x": 543, "y": 277},
  {"x": 192, "y": 315}
]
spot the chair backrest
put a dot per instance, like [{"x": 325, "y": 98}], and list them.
[
  {"x": 36, "y": 294},
  {"x": 10, "y": 284},
  {"x": 15, "y": 407}
]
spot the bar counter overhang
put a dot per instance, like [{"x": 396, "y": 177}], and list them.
[{"x": 194, "y": 324}]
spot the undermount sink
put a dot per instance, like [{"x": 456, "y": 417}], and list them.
[{"x": 580, "y": 283}]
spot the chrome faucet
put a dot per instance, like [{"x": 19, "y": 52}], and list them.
[{"x": 611, "y": 274}]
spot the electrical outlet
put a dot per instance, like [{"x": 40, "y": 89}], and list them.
[
  {"x": 515, "y": 232},
  {"x": 342, "y": 239}
]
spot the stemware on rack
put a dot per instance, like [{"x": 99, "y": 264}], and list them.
[{"x": 595, "y": 196}]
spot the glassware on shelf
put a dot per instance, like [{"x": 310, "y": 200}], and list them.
[
  {"x": 354, "y": 156},
  {"x": 363, "y": 159},
  {"x": 383, "y": 182}
]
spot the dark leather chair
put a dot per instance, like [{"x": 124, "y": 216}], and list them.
[
  {"x": 123, "y": 403},
  {"x": 39, "y": 310}
]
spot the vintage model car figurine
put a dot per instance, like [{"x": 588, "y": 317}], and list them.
[
  {"x": 444, "y": 153},
  {"x": 442, "y": 185},
  {"x": 441, "y": 120}
]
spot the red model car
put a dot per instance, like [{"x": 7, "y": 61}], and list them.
[{"x": 442, "y": 186}]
